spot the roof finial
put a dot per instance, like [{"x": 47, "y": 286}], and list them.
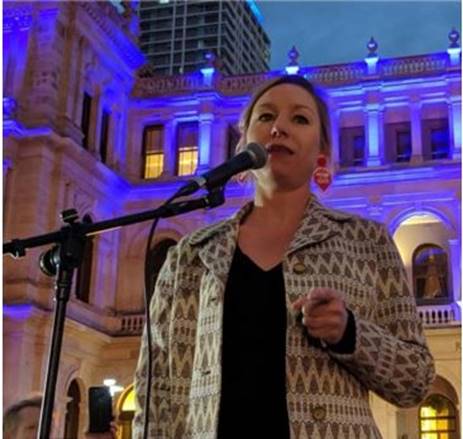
[
  {"x": 372, "y": 47},
  {"x": 293, "y": 65},
  {"x": 454, "y": 36},
  {"x": 293, "y": 56}
]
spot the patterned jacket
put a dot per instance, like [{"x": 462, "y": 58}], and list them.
[{"x": 327, "y": 392}]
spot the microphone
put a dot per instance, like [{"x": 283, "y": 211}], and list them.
[{"x": 254, "y": 156}]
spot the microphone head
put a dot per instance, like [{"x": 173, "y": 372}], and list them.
[{"x": 258, "y": 154}]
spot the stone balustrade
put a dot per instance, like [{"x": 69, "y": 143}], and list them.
[{"x": 331, "y": 75}]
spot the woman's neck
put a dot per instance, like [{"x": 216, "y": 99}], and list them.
[{"x": 279, "y": 208}]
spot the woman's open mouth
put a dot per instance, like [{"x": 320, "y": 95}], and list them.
[{"x": 276, "y": 148}]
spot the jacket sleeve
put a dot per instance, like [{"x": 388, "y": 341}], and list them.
[
  {"x": 160, "y": 310},
  {"x": 391, "y": 356}
]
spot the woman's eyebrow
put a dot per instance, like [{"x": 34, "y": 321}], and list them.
[
  {"x": 271, "y": 106},
  {"x": 304, "y": 107},
  {"x": 266, "y": 105}
]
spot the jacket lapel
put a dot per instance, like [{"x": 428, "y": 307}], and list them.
[
  {"x": 318, "y": 224},
  {"x": 218, "y": 244}
]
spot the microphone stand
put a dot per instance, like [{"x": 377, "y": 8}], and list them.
[{"x": 66, "y": 255}]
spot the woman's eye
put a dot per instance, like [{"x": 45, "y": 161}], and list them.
[
  {"x": 264, "y": 117},
  {"x": 299, "y": 118}
]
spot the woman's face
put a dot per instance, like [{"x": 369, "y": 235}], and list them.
[{"x": 285, "y": 120}]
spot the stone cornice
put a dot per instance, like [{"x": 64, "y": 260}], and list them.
[{"x": 111, "y": 23}]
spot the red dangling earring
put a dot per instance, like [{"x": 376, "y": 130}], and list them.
[{"x": 321, "y": 174}]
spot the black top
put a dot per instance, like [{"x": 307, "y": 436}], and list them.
[{"x": 253, "y": 399}]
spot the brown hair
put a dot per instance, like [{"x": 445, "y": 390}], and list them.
[{"x": 322, "y": 108}]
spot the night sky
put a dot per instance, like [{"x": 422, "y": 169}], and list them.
[{"x": 330, "y": 32}]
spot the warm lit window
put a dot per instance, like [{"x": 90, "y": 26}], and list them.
[
  {"x": 430, "y": 274},
  {"x": 153, "y": 151},
  {"x": 437, "y": 418},
  {"x": 187, "y": 148},
  {"x": 125, "y": 406}
]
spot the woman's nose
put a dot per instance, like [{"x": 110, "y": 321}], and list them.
[{"x": 278, "y": 129}]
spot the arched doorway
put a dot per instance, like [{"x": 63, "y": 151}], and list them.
[
  {"x": 126, "y": 409},
  {"x": 71, "y": 423}
]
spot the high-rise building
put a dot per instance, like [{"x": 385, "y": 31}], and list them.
[{"x": 177, "y": 35}]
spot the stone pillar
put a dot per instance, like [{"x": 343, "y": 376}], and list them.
[
  {"x": 16, "y": 33},
  {"x": 415, "y": 123},
  {"x": 335, "y": 152},
  {"x": 39, "y": 100},
  {"x": 455, "y": 126},
  {"x": 204, "y": 142},
  {"x": 374, "y": 135},
  {"x": 170, "y": 147},
  {"x": 219, "y": 143}
]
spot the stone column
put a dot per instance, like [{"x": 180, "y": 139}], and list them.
[
  {"x": 335, "y": 151},
  {"x": 374, "y": 135},
  {"x": 455, "y": 126},
  {"x": 39, "y": 100},
  {"x": 169, "y": 148},
  {"x": 417, "y": 141},
  {"x": 204, "y": 142}
]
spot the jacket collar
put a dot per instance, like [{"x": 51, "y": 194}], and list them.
[
  {"x": 218, "y": 242},
  {"x": 319, "y": 223}
]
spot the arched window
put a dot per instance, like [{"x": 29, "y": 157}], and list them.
[
  {"x": 157, "y": 257},
  {"x": 126, "y": 409},
  {"x": 84, "y": 273},
  {"x": 71, "y": 423},
  {"x": 430, "y": 274},
  {"x": 437, "y": 418}
]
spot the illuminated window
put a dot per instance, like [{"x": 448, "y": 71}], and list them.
[
  {"x": 187, "y": 148},
  {"x": 437, "y": 418},
  {"x": 430, "y": 274},
  {"x": 125, "y": 406},
  {"x": 153, "y": 151}
]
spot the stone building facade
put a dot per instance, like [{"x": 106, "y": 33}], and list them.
[{"x": 86, "y": 127}]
